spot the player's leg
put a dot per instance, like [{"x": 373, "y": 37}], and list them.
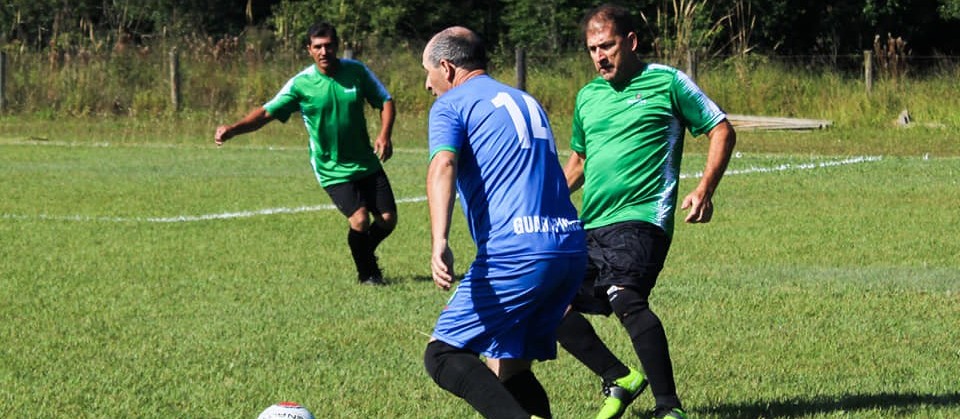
[
  {"x": 349, "y": 200},
  {"x": 519, "y": 380},
  {"x": 462, "y": 373},
  {"x": 578, "y": 337},
  {"x": 636, "y": 252},
  {"x": 620, "y": 383},
  {"x": 550, "y": 287},
  {"x": 383, "y": 205}
]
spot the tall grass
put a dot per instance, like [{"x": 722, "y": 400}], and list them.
[
  {"x": 765, "y": 86},
  {"x": 223, "y": 79}
]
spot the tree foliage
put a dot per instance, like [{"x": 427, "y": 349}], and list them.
[
  {"x": 950, "y": 9},
  {"x": 720, "y": 26}
]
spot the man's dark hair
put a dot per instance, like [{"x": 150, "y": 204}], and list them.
[
  {"x": 461, "y": 47},
  {"x": 621, "y": 18},
  {"x": 321, "y": 30}
]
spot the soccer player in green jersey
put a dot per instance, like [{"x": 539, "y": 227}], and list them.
[
  {"x": 627, "y": 141},
  {"x": 330, "y": 96}
]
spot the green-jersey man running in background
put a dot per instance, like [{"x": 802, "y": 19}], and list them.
[
  {"x": 627, "y": 139},
  {"x": 330, "y": 96}
]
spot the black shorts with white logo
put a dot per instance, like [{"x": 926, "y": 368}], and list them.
[
  {"x": 373, "y": 192},
  {"x": 629, "y": 255}
]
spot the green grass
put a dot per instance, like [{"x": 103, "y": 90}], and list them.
[{"x": 814, "y": 293}]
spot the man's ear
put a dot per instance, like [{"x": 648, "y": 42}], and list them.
[
  {"x": 449, "y": 70},
  {"x": 634, "y": 41}
]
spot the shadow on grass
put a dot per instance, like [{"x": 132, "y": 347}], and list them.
[
  {"x": 826, "y": 405},
  {"x": 408, "y": 278}
]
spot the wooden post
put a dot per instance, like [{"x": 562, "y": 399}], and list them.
[
  {"x": 175, "y": 95},
  {"x": 868, "y": 69},
  {"x": 521, "y": 69},
  {"x": 3, "y": 81},
  {"x": 692, "y": 64}
]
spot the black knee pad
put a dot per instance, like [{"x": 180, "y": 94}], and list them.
[
  {"x": 448, "y": 365},
  {"x": 633, "y": 311}
]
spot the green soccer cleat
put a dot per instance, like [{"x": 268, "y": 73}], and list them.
[
  {"x": 620, "y": 393},
  {"x": 674, "y": 413}
]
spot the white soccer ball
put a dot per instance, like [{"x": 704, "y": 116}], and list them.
[{"x": 286, "y": 410}]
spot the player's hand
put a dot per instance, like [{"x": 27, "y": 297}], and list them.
[
  {"x": 441, "y": 265},
  {"x": 383, "y": 148},
  {"x": 701, "y": 208},
  {"x": 222, "y": 135}
]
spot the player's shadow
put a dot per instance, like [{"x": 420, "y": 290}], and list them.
[
  {"x": 420, "y": 278},
  {"x": 825, "y": 405}
]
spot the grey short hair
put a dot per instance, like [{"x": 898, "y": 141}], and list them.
[{"x": 460, "y": 46}]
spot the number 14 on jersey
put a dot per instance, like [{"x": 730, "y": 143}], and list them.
[{"x": 537, "y": 129}]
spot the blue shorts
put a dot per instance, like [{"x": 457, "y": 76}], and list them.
[{"x": 511, "y": 316}]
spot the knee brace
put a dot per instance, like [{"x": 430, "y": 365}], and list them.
[
  {"x": 449, "y": 366},
  {"x": 461, "y": 372},
  {"x": 633, "y": 311}
]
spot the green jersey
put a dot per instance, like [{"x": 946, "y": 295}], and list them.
[
  {"x": 333, "y": 113},
  {"x": 632, "y": 138}
]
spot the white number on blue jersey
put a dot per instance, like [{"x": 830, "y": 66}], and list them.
[{"x": 540, "y": 130}]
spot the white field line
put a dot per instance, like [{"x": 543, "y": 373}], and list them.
[
  {"x": 788, "y": 166},
  {"x": 197, "y": 145},
  {"x": 326, "y": 207}
]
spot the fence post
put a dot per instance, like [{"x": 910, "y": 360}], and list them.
[
  {"x": 868, "y": 69},
  {"x": 692, "y": 64},
  {"x": 521, "y": 69},
  {"x": 3, "y": 81},
  {"x": 175, "y": 95}
]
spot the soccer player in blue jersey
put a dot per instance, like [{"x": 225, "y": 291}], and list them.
[
  {"x": 492, "y": 144},
  {"x": 330, "y": 96}
]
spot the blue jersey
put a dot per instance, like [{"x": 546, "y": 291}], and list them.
[{"x": 509, "y": 179}]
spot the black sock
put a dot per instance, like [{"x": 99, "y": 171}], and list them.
[
  {"x": 529, "y": 393},
  {"x": 650, "y": 343},
  {"x": 462, "y": 373},
  {"x": 378, "y": 233},
  {"x": 362, "y": 253},
  {"x": 577, "y": 336}
]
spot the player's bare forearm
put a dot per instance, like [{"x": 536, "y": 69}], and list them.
[
  {"x": 253, "y": 121},
  {"x": 573, "y": 171},
  {"x": 387, "y": 116},
  {"x": 383, "y": 145},
  {"x": 722, "y": 140},
  {"x": 700, "y": 201},
  {"x": 441, "y": 177}
]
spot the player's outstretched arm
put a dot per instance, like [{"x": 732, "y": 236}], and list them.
[
  {"x": 700, "y": 201},
  {"x": 252, "y": 122},
  {"x": 441, "y": 176}
]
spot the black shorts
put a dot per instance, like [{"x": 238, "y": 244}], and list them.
[
  {"x": 628, "y": 255},
  {"x": 373, "y": 192}
]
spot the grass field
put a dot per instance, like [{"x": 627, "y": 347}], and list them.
[{"x": 150, "y": 274}]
